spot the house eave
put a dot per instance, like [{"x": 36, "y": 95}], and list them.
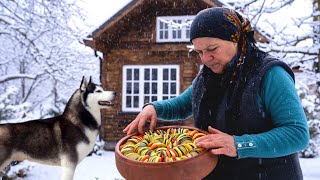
[
  {"x": 115, "y": 18},
  {"x": 127, "y": 9},
  {"x": 89, "y": 43},
  {"x": 214, "y": 3}
]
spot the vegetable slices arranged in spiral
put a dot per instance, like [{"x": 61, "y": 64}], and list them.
[{"x": 173, "y": 144}]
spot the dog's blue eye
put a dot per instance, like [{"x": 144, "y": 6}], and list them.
[{"x": 99, "y": 91}]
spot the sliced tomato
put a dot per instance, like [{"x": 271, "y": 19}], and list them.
[{"x": 146, "y": 157}]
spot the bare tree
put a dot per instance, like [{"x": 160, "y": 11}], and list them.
[
  {"x": 40, "y": 49},
  {"x": 316, "y": 20},
  {"x": 293, "y": 37}
]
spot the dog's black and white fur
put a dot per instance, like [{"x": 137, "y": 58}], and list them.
[{"x": 63, "y": 140}]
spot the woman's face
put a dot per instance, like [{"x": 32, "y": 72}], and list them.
[{"x": 215, "y": 53}]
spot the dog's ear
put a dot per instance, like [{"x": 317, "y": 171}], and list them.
[
  {"x": 89, "y": 80},
  {"x": 83, "y": 84}
]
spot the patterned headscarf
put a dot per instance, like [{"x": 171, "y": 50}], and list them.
[{"x": 223, "y": 23}]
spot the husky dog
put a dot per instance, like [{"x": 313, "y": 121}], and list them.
[{"x": 62, "y": 140}]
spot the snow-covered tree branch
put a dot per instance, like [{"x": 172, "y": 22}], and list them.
[
  {"x": 40, "y": 51},
  {"x": 290, "y": 35},
  {"x": 15, "y": 76}
]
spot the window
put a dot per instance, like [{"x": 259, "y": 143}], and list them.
[
  {"x": 173, "y": 28},
  {"x": 144, "y": 84}
]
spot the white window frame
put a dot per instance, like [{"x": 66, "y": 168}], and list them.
[
  {"x": 171, "y": 27},
  {"x": 141, "y": 82}
]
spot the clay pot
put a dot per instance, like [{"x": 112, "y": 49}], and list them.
[{"x": 194, "y": 168}]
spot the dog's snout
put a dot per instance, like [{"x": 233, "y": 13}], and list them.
[{"x": 114, "y": 93}]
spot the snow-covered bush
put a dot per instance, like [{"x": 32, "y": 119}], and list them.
[
  {"x": 98, "y": 147},
  {"x": 17, "y": 173},
  {"x": 309, "y": 92},
  {"x": 9, "y": 107},
  {"x": 311, "y": 151}
]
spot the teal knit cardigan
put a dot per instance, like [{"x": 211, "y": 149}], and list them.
[{"x": 278, "y": 98}]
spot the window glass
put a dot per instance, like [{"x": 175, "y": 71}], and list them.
[
  {"x": 154, "y": 88},
  {"x": 154, "y": 98},
  {"x": 165, "y": 74},
  {"x": 188, "y": 33},
  {"x": 147, "y": 74},
  {"x": 129, "y": 74},
  {"x": 173, "y": 88},
  {"x": 154, "y": 74},
  {"x": 136, "y": 74},
  {"x": 146, "y": 99},
  {"x": 173, "y": 74},
  {"x": 136, "y": 101},
  {"x": 128, "y": 101},
  {"x": 136, "y": 88},
  {"x": 129, "y": 88},
  {"x": 146, "y": 88},
  {"x": 165, "y": 88}
]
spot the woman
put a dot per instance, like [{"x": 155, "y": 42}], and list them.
[{"x": 244, "y": 97}]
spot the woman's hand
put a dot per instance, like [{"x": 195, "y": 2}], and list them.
[
  {"x": 148, "y": 113},
  {"x": 218, "y": 142}
]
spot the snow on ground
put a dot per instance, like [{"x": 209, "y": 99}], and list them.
[
  {"x": 104, "y": 168},
  {"x": 91, "y": 168},
  {"x": 310, "y": 168}
]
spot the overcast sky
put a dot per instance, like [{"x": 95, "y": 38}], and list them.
[{"x": 101, "y": 10}]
